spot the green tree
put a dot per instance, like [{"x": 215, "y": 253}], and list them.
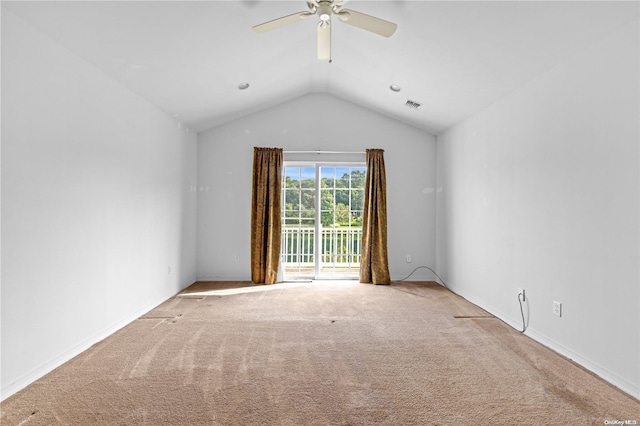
[
  {"x": 327, "y": 205},
  {"x": 342, "y": 215}
]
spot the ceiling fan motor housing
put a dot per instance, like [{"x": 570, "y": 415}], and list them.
[{"x": 324, "y": 10}]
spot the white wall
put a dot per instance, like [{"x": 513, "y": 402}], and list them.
[
  {"x": 98, "y": 201},
  {"x": 541, "y": 191},
  {"x": 313, "y": 122}
]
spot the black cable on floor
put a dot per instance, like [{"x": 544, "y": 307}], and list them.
[
  {"x": 524, "y": 325},
  {"x": 444, "y": 284}
]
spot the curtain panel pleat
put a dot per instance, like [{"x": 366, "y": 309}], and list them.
[
  {"x": 374, "y": 263},
  {"x": 266, "y": 214}
]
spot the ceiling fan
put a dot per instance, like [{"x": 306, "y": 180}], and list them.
[{"x": 324, "y": 9}]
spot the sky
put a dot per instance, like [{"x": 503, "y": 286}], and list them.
[{"x": 298, "y": 172}]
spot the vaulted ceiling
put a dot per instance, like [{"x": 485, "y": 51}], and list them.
[{"x": 454, "y": 58}]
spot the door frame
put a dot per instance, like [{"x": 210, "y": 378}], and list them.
[{"x": 317, "y": 165}]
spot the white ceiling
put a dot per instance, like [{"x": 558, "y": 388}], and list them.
[{"x": 456, "y": 58}]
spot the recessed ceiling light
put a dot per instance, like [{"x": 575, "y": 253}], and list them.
[
  {"x": 243, "y": 85},
  {"x": 395, "y": 88}
]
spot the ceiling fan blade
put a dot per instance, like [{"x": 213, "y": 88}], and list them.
[
  {"x": 281, "y": 22},
  {"x": 367, "y": 22},
  {"x": 324, "y": 40}
]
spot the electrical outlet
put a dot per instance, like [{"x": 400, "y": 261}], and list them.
[
  {"x": 557, "y": 308},
  {"x": 237, "y": 258},
  {"x": 408, "y": 258},
  {"x": 521, "y": 292}
]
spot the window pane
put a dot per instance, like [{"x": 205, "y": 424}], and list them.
[
  {"x": 292, "y": 177},
  {"x": 357, "y": 199},
  {"x": 326, "y": 218},
  {"x": 308, "y": 199},
  {"x": 342, "y": 197},
  {"x": 342, "y": 216},
  {"x": 356, "y": 218},
  {"x": 291, "y": 197},
  {"x": 327, "y": 176},
  {"x": 358, "y": 177},
  {"x": 342, "y": 177},
  {"x": 328, "y": 199},
  {"x": 308, "y": 177}
]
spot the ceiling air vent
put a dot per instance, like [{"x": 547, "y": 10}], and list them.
[{"x": 412, "y": 104}]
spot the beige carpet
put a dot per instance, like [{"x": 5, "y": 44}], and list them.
[{"x": 326, "y": 353}]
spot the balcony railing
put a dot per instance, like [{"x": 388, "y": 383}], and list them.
[{"x": 339, "y": 251}]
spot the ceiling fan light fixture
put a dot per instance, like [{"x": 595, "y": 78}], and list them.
[
  {"x": 395, "y": 88},
  {"x": 324, "y": 11},
  {"x": 244, "y": 85}
]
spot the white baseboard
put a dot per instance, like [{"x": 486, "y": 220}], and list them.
[
  {"x": 28, "y": 378},
  {"x": 222, "y": 278},
  {"x": 414, "y": 277},
  {"x": 620, "y": 382},
  {"x": 55, "y": 362}
]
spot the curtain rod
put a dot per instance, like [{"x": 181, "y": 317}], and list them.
[{"x": 324, "y": 152}]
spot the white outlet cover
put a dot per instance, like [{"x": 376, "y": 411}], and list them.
[{"x": 557, "y": 308}]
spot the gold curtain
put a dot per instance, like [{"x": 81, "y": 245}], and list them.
[
  {"x": 266, "y": 225},
  {"x": 374, "y": 263}
]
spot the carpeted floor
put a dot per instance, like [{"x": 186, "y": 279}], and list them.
[{"x": 322, "y": 353}]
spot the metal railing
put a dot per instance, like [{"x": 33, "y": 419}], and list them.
[{"x": 339, "y": 247}]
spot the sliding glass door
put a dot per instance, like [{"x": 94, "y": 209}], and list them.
[{"x": 322, "y": 220}]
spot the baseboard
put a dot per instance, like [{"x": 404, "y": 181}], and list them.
[
  {"x": 35, "y": 374},
  {"x": 414, "y": 277},
  {"x": 201, "y": 278},
  {"x": 55, "y": 362},
  {"x": 606, "y": 375},
  {"x": 612, "y": 378}
]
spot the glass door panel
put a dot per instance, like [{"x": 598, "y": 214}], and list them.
[
  {"x": 298, "y": 222},
  {"x": 341, "y": 194}
]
